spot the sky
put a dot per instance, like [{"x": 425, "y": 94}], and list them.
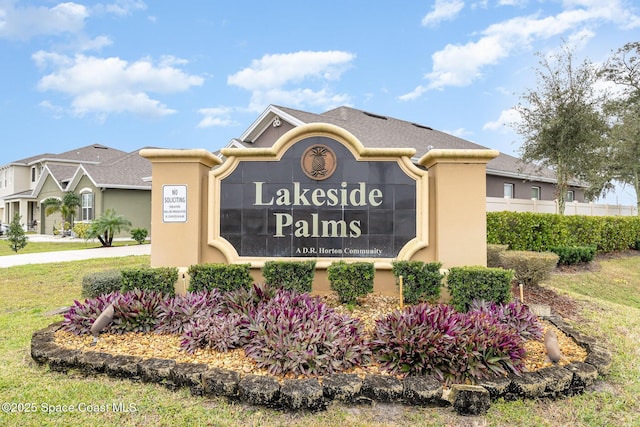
[{"x": 196, "y": 74}]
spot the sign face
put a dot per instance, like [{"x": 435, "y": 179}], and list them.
[
  {"x": 318, "y": 201},
  {"x": 174, "y": 203}
]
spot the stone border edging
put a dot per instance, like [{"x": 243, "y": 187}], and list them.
[{"x": 310, "y": 394}]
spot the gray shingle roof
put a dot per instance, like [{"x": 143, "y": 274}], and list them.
[
  {"x": 375, "y": 130},
  {"x": 95, "y": 153},
  {"x": 127, "y": 170}
]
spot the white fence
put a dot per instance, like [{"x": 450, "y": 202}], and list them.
[{"x": 497, "y": 204}]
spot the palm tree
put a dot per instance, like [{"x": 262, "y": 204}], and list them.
[
  {"x": 107, "y": 226},
  {"x": 67, "y": 206}
]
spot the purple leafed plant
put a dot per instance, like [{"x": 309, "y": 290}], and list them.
[
  {"x": 81, "y": 316},
  {"x": 221, "y": 332},
  {"x": 295, "y": 333},
  {"x": 455, "y": 347},
  {"x": 515, "y": 315},
  {"x": 177, "y": 313}
]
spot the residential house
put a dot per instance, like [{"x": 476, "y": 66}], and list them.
[
  {"x": 507, "y": 176},
  {"x": 102, "y": 176}
]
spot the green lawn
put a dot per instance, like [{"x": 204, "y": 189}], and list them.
[
  {"x": 37, "y": 247},
  {"x": 609, "y": 301}
]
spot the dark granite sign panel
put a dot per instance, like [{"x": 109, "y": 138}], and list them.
[{"x": 318, "y": 201}]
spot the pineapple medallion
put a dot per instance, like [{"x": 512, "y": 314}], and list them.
[{"x": 318, "y": 162}]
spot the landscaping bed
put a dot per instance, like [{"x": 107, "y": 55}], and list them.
[{"x": 159, "y": 358}]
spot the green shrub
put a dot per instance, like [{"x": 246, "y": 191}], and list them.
[
  {"x": 292, "y": 275},
  {"x": 530, "y": 268},
  {"x": 351, "y": 280},
  {"x": 101, "y": 282},
  {"x": 569, "y": 255},
  {"x": 139, "y": 235},
  {"x": 80, "y": 229},
  {"x": 526, "y": 231},
  {"x": 224, "y": 277},
  {"x": 467, "y": 284},
  {"x": 159, "y": 279},
  {"x": 421, "y": 281},
  {"x": 493, "y": 254}
]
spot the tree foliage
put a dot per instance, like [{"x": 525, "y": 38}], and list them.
[
  {"x": 16, "y": 236},
  {"x": 107, "y": 226},
  {"x": 623, "y": 159},
  {"x": 67, "y": 206},
  {"x": 562, "y": 121}
]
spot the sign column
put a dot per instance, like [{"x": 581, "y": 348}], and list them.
[{"x": 178, "y": 204}]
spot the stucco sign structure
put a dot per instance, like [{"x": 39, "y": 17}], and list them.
[
  {"x": 318, "y": 193},
  {"x": 318, "y": 196}
]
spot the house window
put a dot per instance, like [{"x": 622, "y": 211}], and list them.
[
  {"x": 33, "y": 174},
  {"x": 535, "y": 193},
  {"x": 570, "y": 196},
  {"x": 508, "y": 190},
  {"x": 87, "y": 206}
]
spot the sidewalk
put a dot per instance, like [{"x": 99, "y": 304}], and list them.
[{"x": 72, "y": 255}]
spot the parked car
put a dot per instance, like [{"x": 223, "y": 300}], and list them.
[{"x": 4, "y": 228}]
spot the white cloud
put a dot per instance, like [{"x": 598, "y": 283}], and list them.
[
  {"x": 23, "y": 23},
  {"x": 504, "y": 122},
  {"x": 216, "y": 117},
  {"x": 124, "y": 7},
  {"x": 113, "y": 85},
  {"x": 460, "y": 132},
  {"x": 443, "y": 10},
  {"x": 460, "y": 65},
  {"x": 281, "y": 79}
]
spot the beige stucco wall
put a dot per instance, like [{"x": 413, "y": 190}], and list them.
[
  {"x": 49, "y": 189},
  {"x": 135, "y": 205},
  {"x": 450, "y": 202}
]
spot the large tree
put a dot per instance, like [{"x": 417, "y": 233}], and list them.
[
  {"x": 623, "y": 161},
  {"x": 561, "y": 120}
]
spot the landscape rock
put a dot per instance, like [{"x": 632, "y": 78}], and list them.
[
  {"x": 558, "y": 381},
  {"x": 62, "y": 359},
  {"x": 221, "y": 382},
  {"x": 421, "y": 390},
  {"x": 497, "y": 386},
  {"x": 156, "y": 370},
  {"x": 40, "y": 350},
  {"x": 187, "y": 374},
  {"x": 260, "y": 390},
  {"x": 584, "y": 375},
  {"x": 302, "y": 394},
  {"x": 344, "y": 387},
  {"x": 121, "y": 366},
  {"x": 93, "y": 362},
  {"x": 599, "y": 357},
  {"x": 527, "y": 385},
  {"x": 382, "y": 388},
  {"x": 470, "y": 399}
]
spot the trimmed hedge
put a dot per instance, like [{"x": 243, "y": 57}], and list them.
[
  {"x": 224, "y": 277},
  {"x": 530, "y": 268},
  {"x": 528, "y": 231},
  {"x": 101, "y": 282},
  {"x": 351, "y": 280},
  {"x": 493, "y": 254},
  {"x": 467, "y": 284},
  {"x": 159, "y": 279},
  {"x": 569, "y": 255},
  {"x": 291, "y": 275},
  {"x": 421, "y": 281}
]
